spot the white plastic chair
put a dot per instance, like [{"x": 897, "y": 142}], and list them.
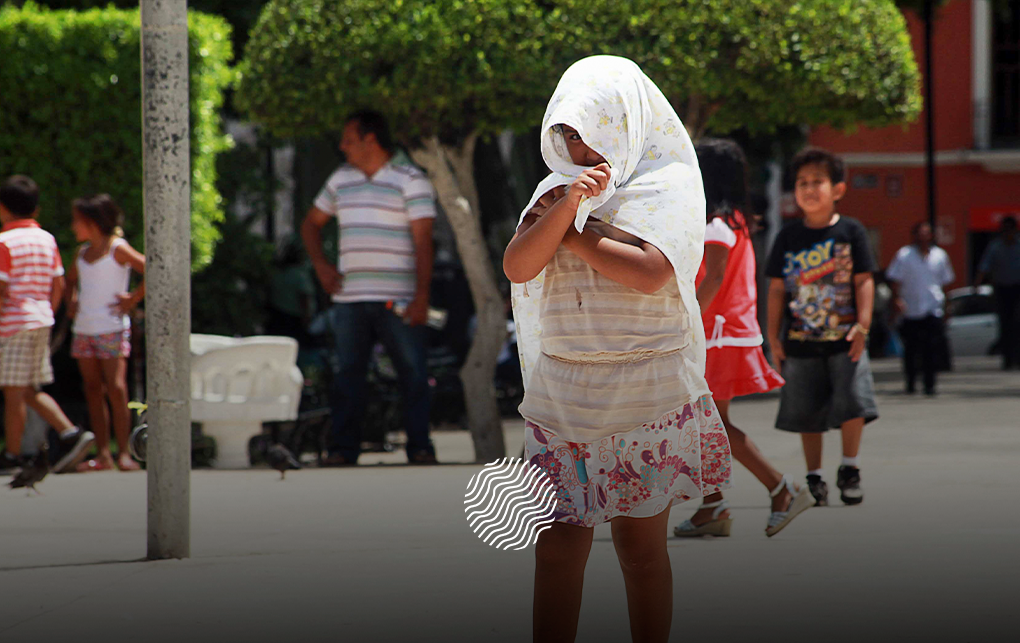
[{"x": 237, "y": 384}]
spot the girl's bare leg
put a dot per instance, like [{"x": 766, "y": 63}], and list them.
[
  {"x": 95, "y": 397},
  {"x": 560, "y": 556},
  {"x": 746, "y": 452},
  {"x": 115, "y": 378},
  {"x": 641, "y": 546}
]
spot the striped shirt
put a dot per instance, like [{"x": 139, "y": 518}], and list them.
[
  {"x": 377, "y": 255},
  {"x": 29, "y": 261},
  {"x": 613, "y": 358}
]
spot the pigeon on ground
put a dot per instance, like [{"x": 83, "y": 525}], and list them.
[
  {"x": 281, "y": 459},
  {"x": 33, "y": 472}
]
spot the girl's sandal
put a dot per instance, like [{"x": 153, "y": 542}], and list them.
[
  {"x": 800, "y": 500},
  {"x": 715, "y": 527},
  {"x": 127, "y": 464},
  {"x": 93, "y": 464}
]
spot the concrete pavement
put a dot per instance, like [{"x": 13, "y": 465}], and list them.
[{"x": 383, "y": 553}]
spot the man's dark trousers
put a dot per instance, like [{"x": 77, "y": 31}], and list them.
[
  {"x": 356, "y": 328},
  {"x": 922, "y": 343},
  {"x": 1008, "y": 303}
]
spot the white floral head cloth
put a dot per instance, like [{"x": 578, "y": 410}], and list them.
[{"x": 655, "y": 191}]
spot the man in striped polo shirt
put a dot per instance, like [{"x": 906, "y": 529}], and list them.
[{"x": 385, "y": 214}]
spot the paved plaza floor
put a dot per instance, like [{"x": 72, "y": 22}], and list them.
[{"x": 383, "y": 553}]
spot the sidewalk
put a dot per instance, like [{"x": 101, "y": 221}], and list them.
[{"x": 383, "y": 553}]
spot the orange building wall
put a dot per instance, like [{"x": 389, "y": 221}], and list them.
[
  {"x": 951, "y": 60},
  {"x": 961, "y": 189}
]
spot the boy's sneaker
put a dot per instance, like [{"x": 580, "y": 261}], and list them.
[
  {"x": 848, "y": 479},
  {"x": 70, "y": 450},
  {"x": 819, "y": 490},
  {"x": 9, "y": 463}
]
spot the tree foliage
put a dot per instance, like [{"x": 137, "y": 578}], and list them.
[
  {"x": 455, "y": 66},
  {"x": 71, "y": 113},
  {"x": 756, "y": 64},
  {"x": 918, "y": 5},
  {"x": 447, "y": 67}
]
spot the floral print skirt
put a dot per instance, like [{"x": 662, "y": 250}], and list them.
[{"x": 639, "y": 473}]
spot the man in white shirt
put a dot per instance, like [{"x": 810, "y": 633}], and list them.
[
  {"x": 918, "y": 276},
  {"x": 385, "y": 213}
]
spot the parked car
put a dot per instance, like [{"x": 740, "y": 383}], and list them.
[{"x": 973, "y": 325}]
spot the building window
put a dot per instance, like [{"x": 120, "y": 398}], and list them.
[
  {"x": 863, "y": 181},
  {"x": 1006, "y": 73}
]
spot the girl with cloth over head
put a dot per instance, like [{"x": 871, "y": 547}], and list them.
[{"x": 617, "y": 410}]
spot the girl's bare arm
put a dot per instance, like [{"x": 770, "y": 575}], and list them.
[
  {"x": 124, "y": 254},
  {"x": 542, "y": 230},
  {"x": 71, "y": 292},
  {"x": 536, "y": 241},
  {"x": 716, "y": 258},
  {"x": 641, "y": 266}
]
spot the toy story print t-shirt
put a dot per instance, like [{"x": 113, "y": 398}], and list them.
[{"x": 818, "y": 266}]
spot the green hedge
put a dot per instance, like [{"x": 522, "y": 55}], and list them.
[{"x": 70, "y": 113}]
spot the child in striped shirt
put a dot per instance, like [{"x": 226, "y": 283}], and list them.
[{"x": 31, "y": 285}]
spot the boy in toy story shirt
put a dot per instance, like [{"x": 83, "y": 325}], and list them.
[{"x": 821, "y": 296}]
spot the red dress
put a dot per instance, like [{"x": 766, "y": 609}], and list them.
[{"x": 735, "y": 363}]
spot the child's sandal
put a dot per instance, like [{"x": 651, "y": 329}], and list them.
[
  {"x": 801, "y": 500},
  {"x": 93, "y": 464},
  {"x": 716, "y": 527}
]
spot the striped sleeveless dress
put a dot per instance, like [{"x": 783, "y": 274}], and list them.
[{"x": 609, "y": 412}]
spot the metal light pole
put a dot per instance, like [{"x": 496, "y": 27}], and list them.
[
  {"x": 167, "y": 181},
  {"x": 929, "y": 99}
]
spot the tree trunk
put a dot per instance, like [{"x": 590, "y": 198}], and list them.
[
  {"x": 452, "y": 173},
  {"x": 697, "y": 115}
]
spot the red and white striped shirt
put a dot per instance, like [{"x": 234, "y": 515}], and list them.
[{"x": 29, "y": 261}]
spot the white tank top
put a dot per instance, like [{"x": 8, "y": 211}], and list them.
[{"x": 99, "y": 283}]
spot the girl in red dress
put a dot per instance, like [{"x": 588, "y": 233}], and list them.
[{"x": 735, "y": 363}]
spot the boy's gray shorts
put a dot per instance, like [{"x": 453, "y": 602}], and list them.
[{"x": 824, "y": 392}]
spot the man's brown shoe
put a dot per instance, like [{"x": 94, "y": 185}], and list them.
[
  {"x": 337, "y": 460},
  {"x": 422, "y": 457}
]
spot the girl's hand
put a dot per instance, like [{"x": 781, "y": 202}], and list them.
[
  {"x": 124, "y": 305},
  {"x": 547, "y": 200},
  {"x": 72, "y": 308},
  {"x": 778, "y": 354},
  {"x": 589, "y": 183},
  {"x": 538, "y": 209}
]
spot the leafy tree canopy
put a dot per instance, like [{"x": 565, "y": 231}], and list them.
[
  {"x": 918, "y": 5},
  {"x": 434, "y": 66},
  {"x": 757, "y": 64},
  {"x": 456, "y": 66}
]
